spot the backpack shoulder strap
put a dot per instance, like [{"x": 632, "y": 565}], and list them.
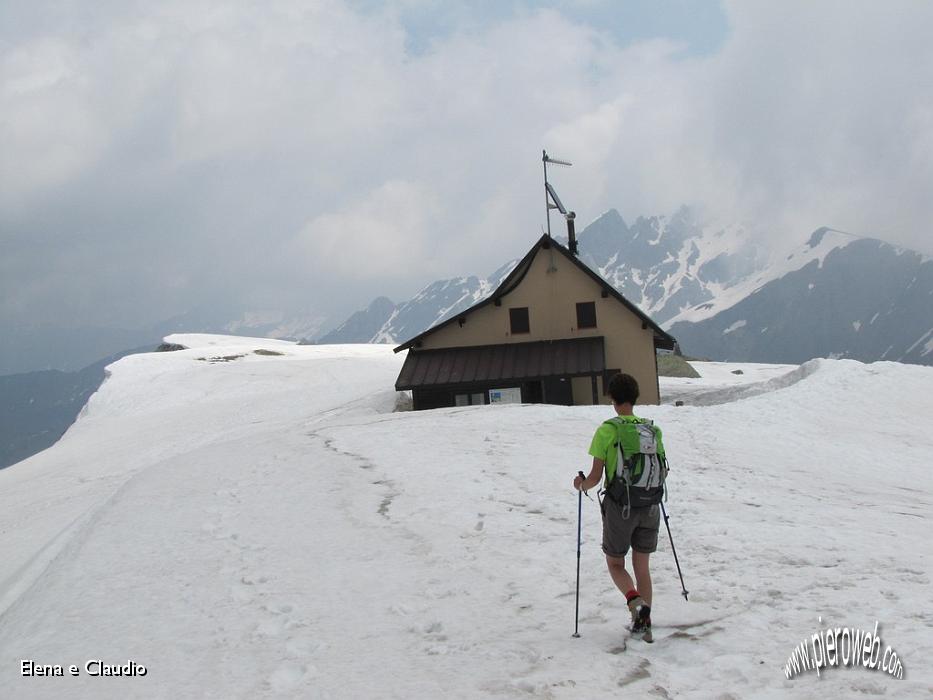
[{"x": 617, "y": 420}]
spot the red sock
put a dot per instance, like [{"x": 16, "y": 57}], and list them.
[{"x": 631, "y": 594}]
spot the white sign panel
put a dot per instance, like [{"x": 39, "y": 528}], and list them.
[{"x": 510, "y": 395}]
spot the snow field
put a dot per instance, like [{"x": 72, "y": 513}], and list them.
[
  {"x": 268, "y": 527},
  {"x": 719, "y": 383}
]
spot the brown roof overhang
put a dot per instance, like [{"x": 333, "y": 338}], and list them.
[{"x": 508, "y": 362}]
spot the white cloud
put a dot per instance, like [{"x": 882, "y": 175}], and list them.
[
  {"x": 48, "y": 131},
  {"x": 241, "y": 148},
  {"x": 375, "y": 237}
]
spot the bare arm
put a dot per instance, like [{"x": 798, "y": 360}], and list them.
[{"x": 596, "y": 475}]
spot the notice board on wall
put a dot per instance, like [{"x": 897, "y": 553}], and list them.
[{"x": 510, "y": 395}]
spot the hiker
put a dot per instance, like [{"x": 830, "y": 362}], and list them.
[{"x": 633, "y": 491}]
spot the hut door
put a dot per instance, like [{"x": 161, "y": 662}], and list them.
[{"x": 558, "y": 390}]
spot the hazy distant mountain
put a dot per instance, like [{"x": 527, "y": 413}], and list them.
[
  {"x": 251, "y": 323},
  {"x": 385, "y": 322},
  {"x": 37, "y": 407},
  {"x": 35, "y": 347},
  {"x": 362, "y": 325}
]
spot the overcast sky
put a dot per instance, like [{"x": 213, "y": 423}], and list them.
[{"x": 310, "y": 156}]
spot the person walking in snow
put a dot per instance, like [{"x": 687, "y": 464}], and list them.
[{"x": 629, "y": 453}]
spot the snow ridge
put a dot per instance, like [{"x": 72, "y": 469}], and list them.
[{"x": 212, "y": 510}]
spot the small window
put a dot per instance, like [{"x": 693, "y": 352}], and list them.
[
  {"x": 470, "y": 399},
  {"x": 607, "y": 375},
  {"x": 586, "y": 314},
  {"x": 518, "y": 319}
]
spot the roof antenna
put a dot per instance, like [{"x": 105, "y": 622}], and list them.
[{"x": 552, "y": 201}]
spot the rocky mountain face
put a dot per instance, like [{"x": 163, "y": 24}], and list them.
[
  {"x": 856, "y": 298},
  {"x": 667, "y": 264}
]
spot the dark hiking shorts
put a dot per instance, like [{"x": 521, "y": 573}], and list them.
[{"x": 639, "y": 531}]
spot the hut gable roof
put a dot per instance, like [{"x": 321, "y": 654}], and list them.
[{"x": 514, "y": 278}]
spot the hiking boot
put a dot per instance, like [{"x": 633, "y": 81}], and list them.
[
  {"x": 641, "y": 621},
  {"x": 634, "y": 605}
]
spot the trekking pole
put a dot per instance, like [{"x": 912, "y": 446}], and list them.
[
  {"x": 576, "y": 622},
  {"x": 674, "y": 550}
]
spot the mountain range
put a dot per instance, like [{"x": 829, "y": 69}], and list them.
[{"x": 721, "y": 294}]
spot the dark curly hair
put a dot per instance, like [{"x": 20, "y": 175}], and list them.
[{"x": 623, "y": 389}]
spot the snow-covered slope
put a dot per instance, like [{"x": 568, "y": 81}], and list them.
[{"x": 263, "y": 525}]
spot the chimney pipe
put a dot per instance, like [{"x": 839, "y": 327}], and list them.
[{"x": 571, "y": 233}]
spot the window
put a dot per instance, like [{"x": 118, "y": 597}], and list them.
[
  {"x": 607, "y": 375},
  {"x": 470, "y": 399},
  {"x": 518, "y": 319},
  {"x": 586, "y": 314}
]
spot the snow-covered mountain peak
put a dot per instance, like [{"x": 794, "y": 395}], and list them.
[
  {"x": 665, "y": 264},
  {"x": 820, "y": 243},
  {"x": 610, "y": 217}
]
